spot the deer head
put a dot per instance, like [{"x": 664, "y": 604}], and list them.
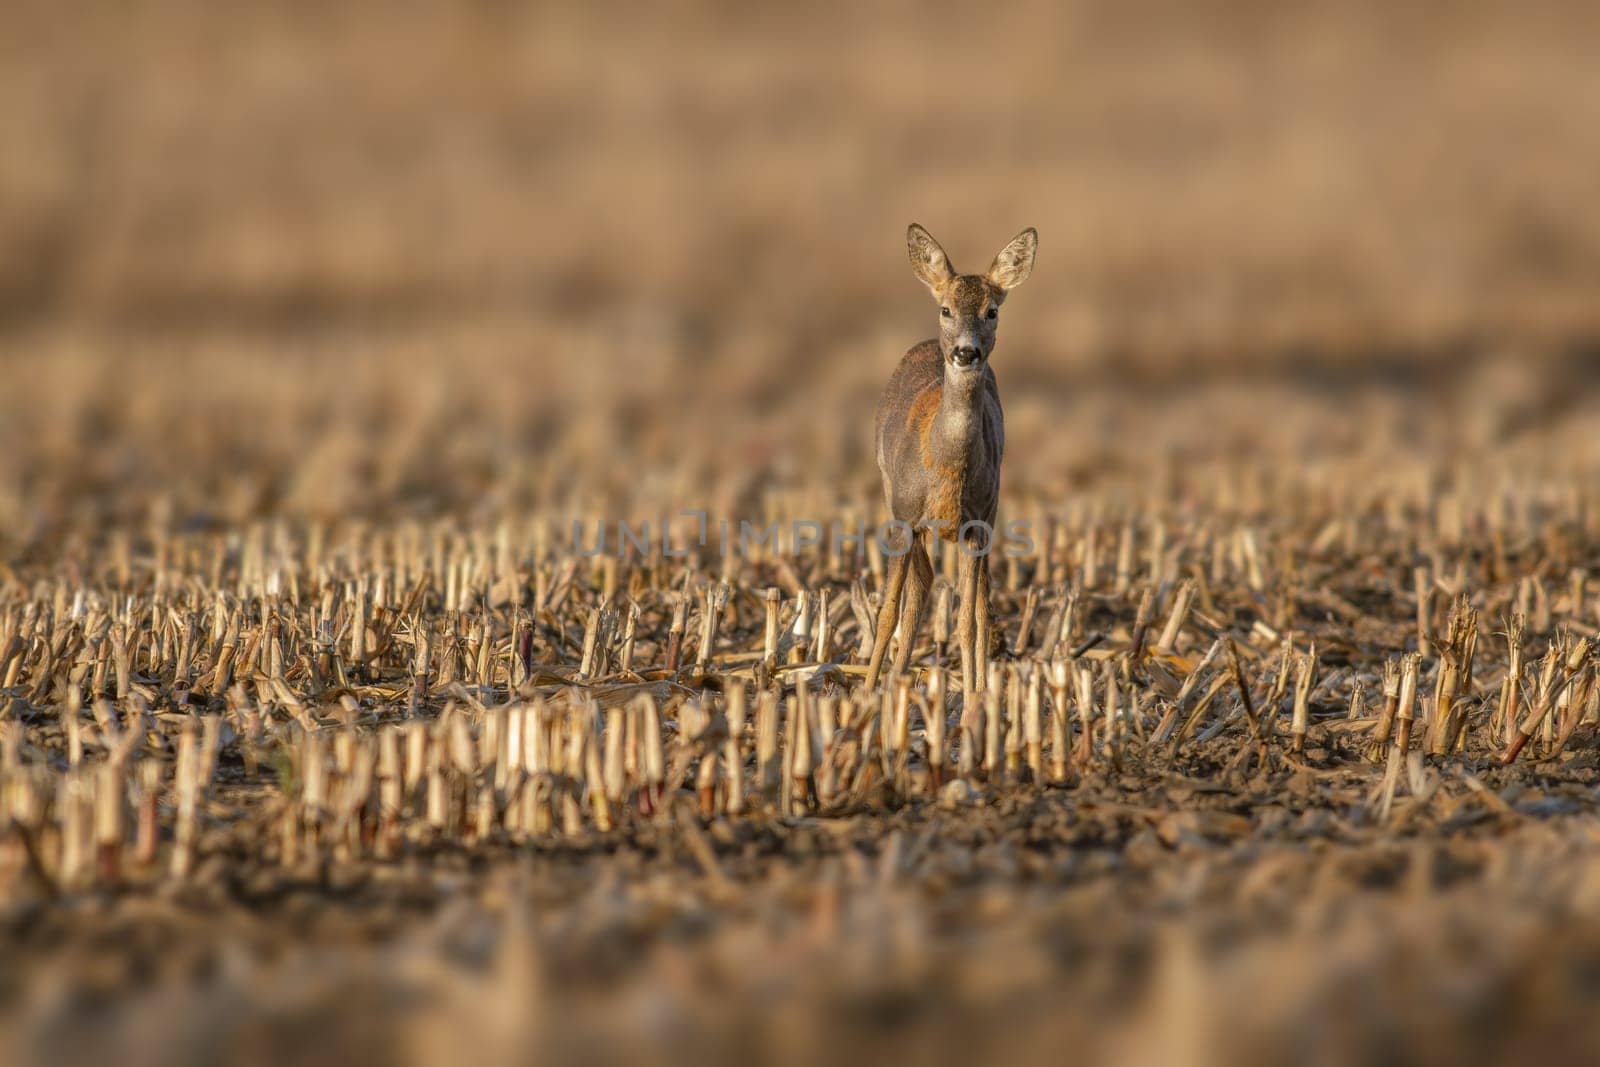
[{"x": 969, "y": 304}]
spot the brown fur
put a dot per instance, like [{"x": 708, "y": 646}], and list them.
[
  {"x": 943, "y": 505},
  {"x": 930, "y": 476},
  {"x": 941, "y": 436},
  {"x": 970, "y": 294}
]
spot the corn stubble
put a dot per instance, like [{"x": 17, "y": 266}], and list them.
[
  {"x": 1211, "y": 683},
  {"x": 479, "y": 690},
  {"x": 308, "y": 701}
]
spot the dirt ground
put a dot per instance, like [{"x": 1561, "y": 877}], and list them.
[{"x": 1155, "y": 915}]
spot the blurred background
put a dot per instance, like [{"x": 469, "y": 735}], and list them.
[{"x": 412, "y": 253}]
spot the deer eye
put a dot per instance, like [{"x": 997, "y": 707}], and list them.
[
  {"x": 992, "y": 313},
  {"x": 944, "y": 312}
]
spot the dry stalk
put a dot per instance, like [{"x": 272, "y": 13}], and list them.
[
  {"x": 1305, "y": 674},
  {"x": 1556, "y": 682},
  {"x": 1406, "y": 713}
]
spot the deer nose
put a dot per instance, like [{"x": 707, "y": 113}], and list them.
[{"x": 964, "y": 355}]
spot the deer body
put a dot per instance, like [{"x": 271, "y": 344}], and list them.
[
  {"x": 940, "y": 439},
  {"x": 940, "y": 444}
]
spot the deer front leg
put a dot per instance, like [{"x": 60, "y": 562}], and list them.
[
  {"x": 895, "y": 580},
  {"x": 911, "y": 617},
  {"x": 967, "y": 581},
  {"x": 980, "y": 641}
]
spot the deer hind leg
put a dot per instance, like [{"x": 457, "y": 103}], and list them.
[
  {"x": 966, "y": 620},
  {"x": 888, "y": 614},
  {"x": 980, "y": 603},
  {"x": 916, "y": 595}
]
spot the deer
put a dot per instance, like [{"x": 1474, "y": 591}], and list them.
[{"x": 940, "y": 437}]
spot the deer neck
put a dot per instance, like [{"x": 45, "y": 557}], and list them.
[{"x": 958, "y": 428}]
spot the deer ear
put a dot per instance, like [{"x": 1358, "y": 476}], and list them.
[
  {"x": 928, "y": 260},
  {"x": 1015, "y": 261}
]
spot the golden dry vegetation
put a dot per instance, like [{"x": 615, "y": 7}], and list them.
[{"x": 319, "y": 737}]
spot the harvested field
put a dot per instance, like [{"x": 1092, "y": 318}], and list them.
[{"x": 324, "y": 734}]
